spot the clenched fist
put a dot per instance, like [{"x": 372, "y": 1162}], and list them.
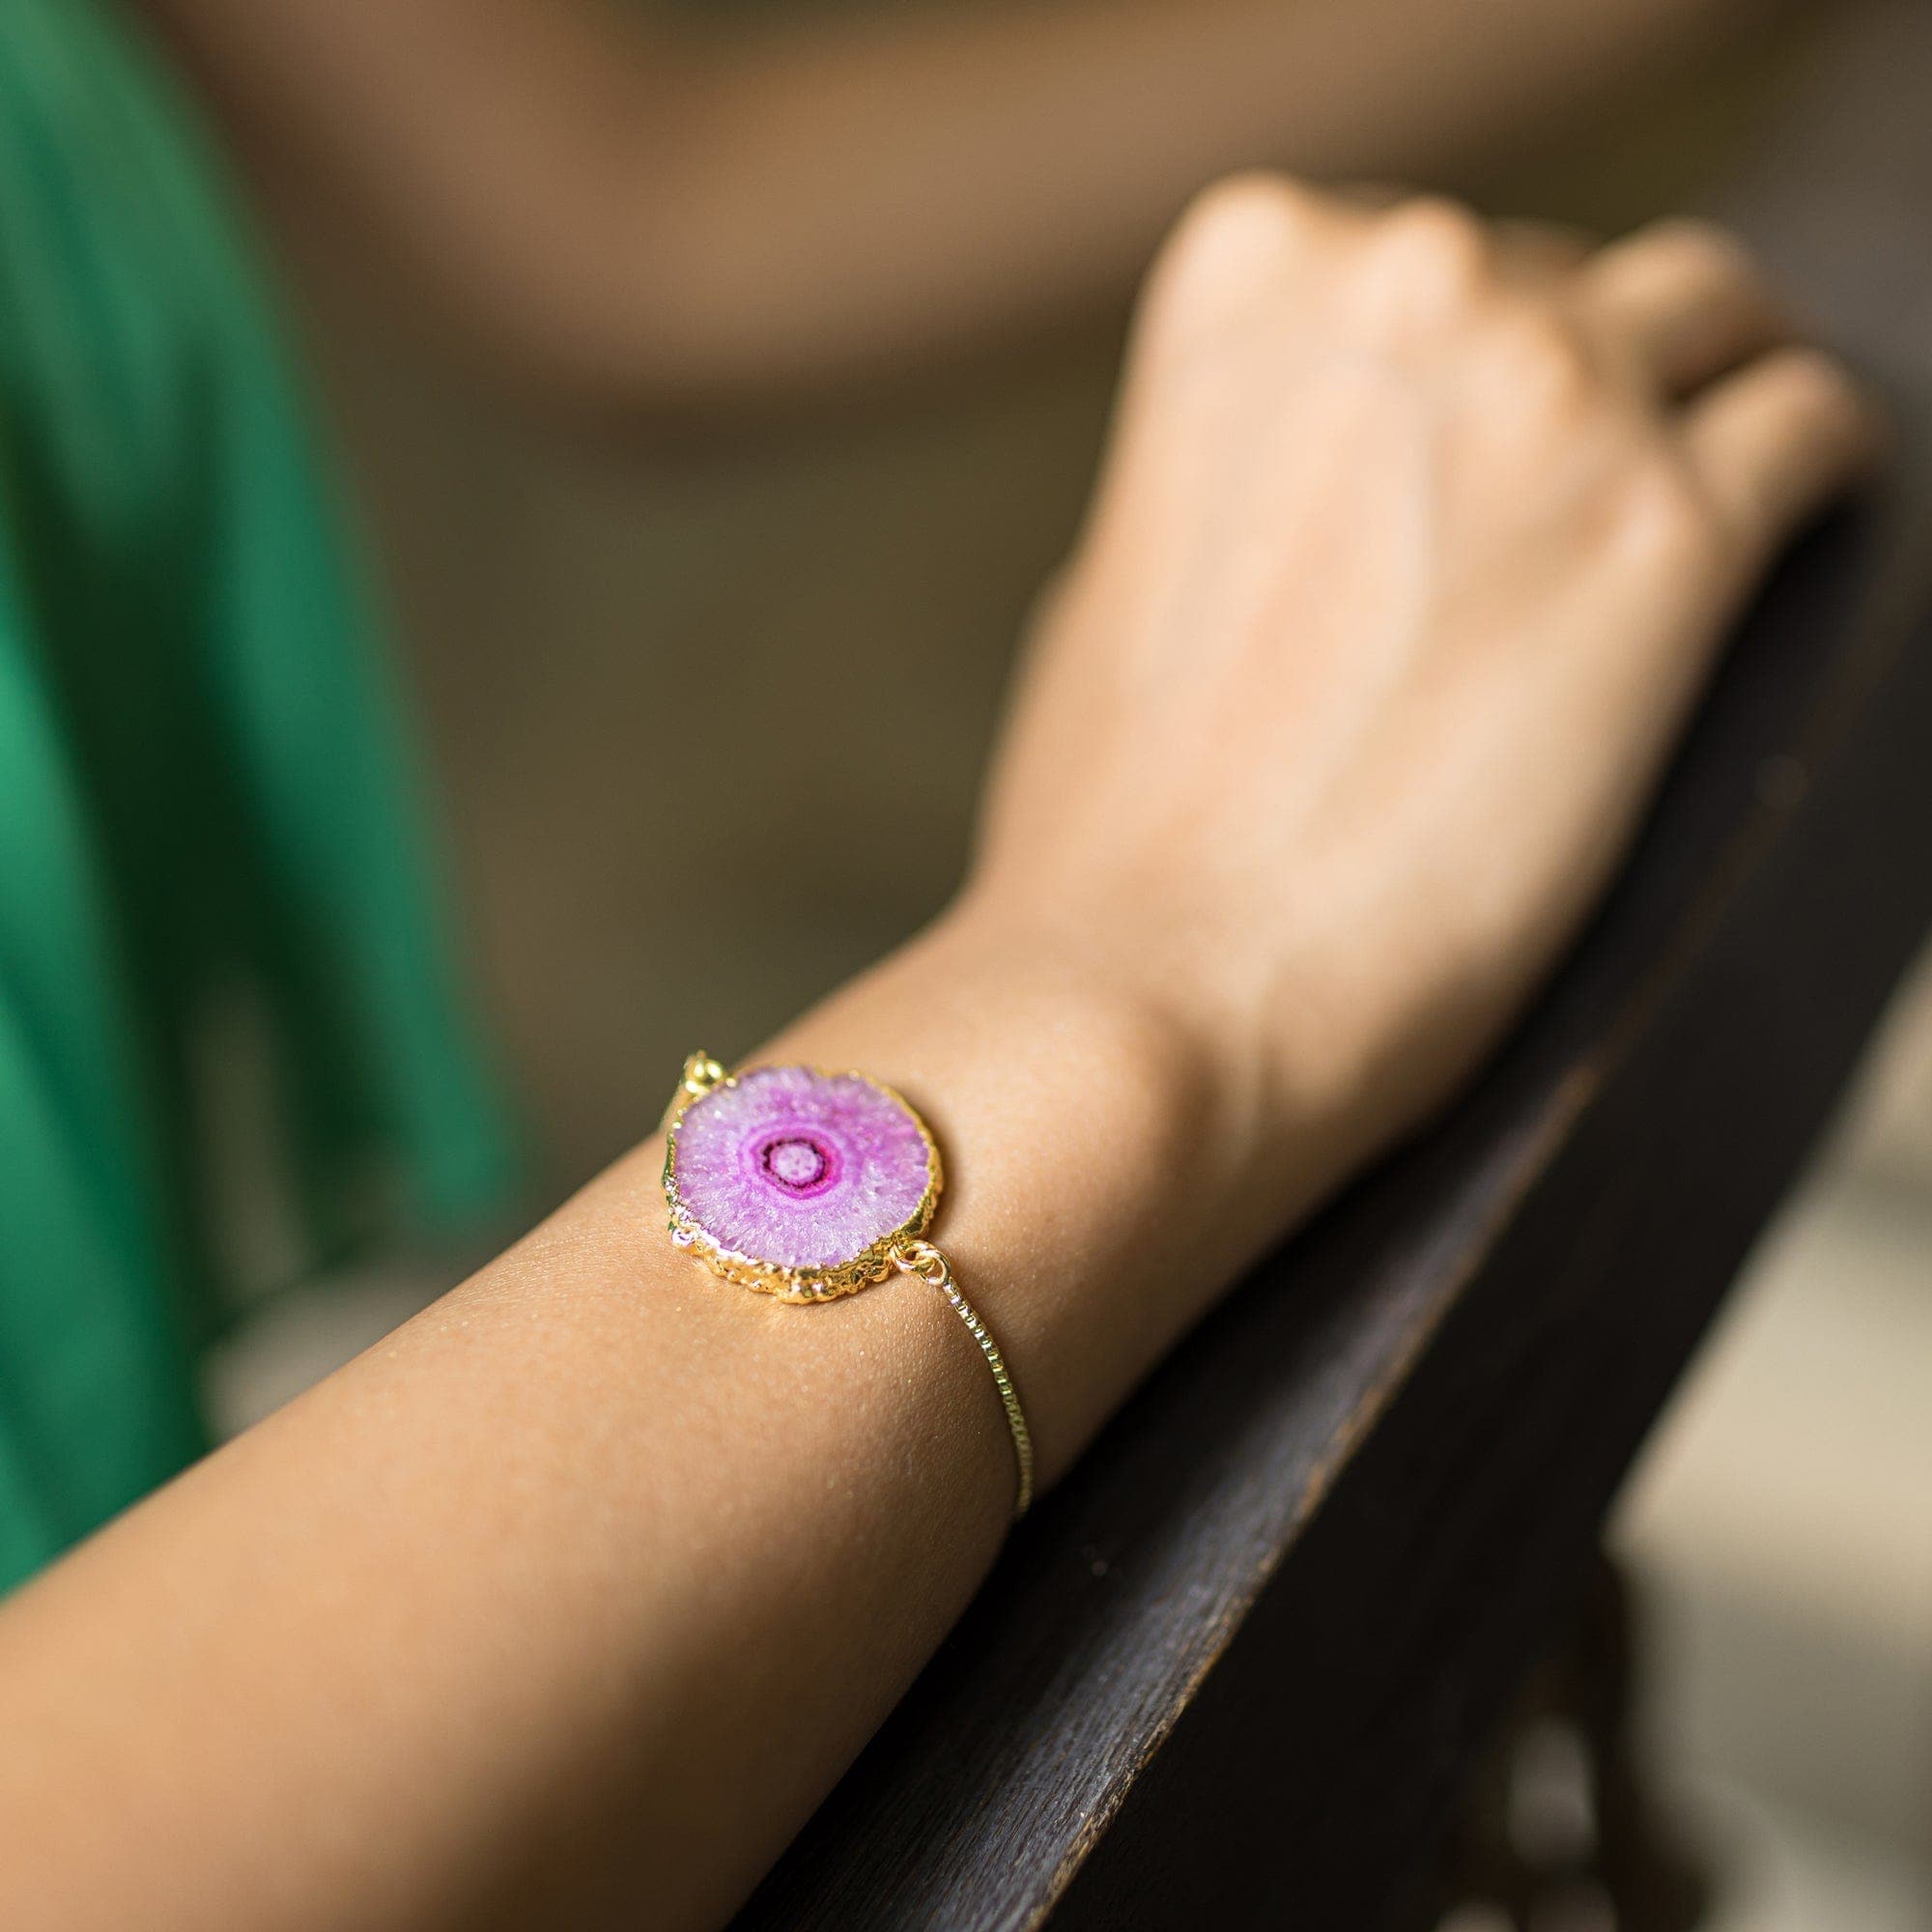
[{"x": 1415, "y": 543}]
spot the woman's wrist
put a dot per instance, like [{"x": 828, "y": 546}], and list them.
[
  {"x": 1280, "y": 1062},
  {"x": 1103, "y": 1180}
]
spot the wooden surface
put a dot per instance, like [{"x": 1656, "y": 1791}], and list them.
[{"x": 1227, "y": 1674}]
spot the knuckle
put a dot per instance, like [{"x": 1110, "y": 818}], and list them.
[
  {"x": 1820, "y": 388},
  {"x": 1702, "y": 250},
  {"x": 1435, "y": 246},
  {"x": 1244, "y": 215},
  {"x": 1227, "y": 246}
]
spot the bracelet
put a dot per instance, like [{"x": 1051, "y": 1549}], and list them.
[{"x": 810, "y": 1185}]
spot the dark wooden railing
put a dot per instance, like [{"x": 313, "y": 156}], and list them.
[{"x": 1228, "y": 1675}]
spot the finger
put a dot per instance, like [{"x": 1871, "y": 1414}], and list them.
[
  {"x": 1773, "y": 443},
  {"x": 1531, "y": 250},
  {"x": 1684, "y": 301}
]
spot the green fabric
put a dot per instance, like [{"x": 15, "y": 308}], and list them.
[{"x": 204, "y": 789}]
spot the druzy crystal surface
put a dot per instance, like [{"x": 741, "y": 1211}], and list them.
[{"x": 798, "y": 1168}]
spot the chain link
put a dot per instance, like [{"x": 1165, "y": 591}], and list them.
[{"x": 920, "y": 1259}]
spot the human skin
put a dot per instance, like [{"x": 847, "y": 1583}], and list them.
[
  {"x": 565, "y": 1605},
  {"x": 619, "y": 208}
]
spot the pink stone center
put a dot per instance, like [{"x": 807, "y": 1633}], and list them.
[
  {"x": 798, "y": 1165},
  {"x": 800, "y": 1169}
]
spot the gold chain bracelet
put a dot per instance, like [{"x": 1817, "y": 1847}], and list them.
[
  {"x": 924, "y": 1259},
  {"x": 809, "y": 1185}
]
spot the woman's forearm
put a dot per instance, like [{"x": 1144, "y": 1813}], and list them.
[
  {"x": 674, "y": 217},
  {"x": 584, "y": 1587}
]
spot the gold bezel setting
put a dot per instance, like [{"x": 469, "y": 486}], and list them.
[{"x": 703, "y": 1076}]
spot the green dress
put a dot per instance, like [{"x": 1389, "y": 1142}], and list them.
[{"x": 205, "y": 796}]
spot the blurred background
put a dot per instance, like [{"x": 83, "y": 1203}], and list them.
[{"x": 589, "y": 601}]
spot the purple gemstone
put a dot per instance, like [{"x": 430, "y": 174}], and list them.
[{"x": 800, "y": 1169}]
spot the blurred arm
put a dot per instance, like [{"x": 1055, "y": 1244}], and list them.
[{"x": 620, "y": 208}]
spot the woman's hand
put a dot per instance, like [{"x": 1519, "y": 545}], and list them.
[{"x": 1416, "y": 543}]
